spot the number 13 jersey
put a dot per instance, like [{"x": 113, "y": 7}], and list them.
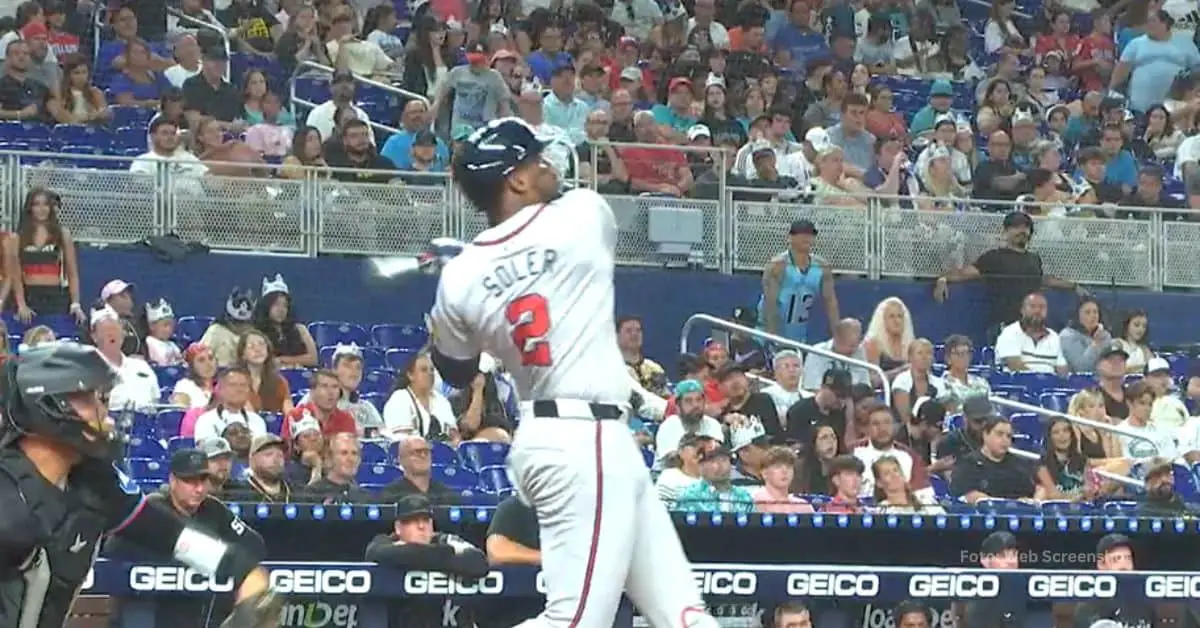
[{"x": 536, "y": 291}]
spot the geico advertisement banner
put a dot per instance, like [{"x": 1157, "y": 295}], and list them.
[{"x": 145, "y": 578}]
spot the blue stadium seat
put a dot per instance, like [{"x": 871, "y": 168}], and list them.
[
  {"x": 1005, "y": 507},
  {"x": 180, "y": 442},
  {"x": 377, "y": 382},
  {"x": 274, "y": 421},
  {"x": 456, "y": 478},
  {"x": 1025, "y": 442},
  {"x": 167, "y": 422},
  {"x": 1054, "y": 400},
  {"x": 987, "y": 356},
  {"x": 1080, "y": 381},
  {"x": 411, "y": 337},
  {"x": 398, "y": 359},
  {"x": 1012, "y": 392},
  {"x": 443, "y": 455},
  {"x": 83, "y": 135},
  {"x": 131, "y": 116},
  {"x": 938, "y": 483},
  {"x": 954, "y": 422},
  {"x": 147, "y": 447},
  {"x": 130, "y": 137},
  {"x": 1181, "y": 364},
  {"x": 297, "y": 378},
  {"x": 327, "y": 333},
  {"x": 61, "y": 324},
  {"x": 141, "y": 425},
  {"x": 494, "y": 481},
  {"x": 375, "y": 399},
  {"x": 1037, "y": 382},
  {"x": 648, "y": 457},
  {"x": 1120, "y": 508},
  {"x": 24, "y": 131},
  {"x": 1028, "y": 423},
  {"x": 189, "y": 329},
  {"x": 1185, "y": 483},
  {"x": 374, "y": 453},
  {"x": 298, "y": 396},
  {"x": 478, "y": 456},
  {"x": 146, "y": 469},
  {"x": 376, "y": 475},
  {"x": 939, "y": 353},
  {"x": 168, "y": 375}
]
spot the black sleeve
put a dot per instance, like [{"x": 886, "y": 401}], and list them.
[
  {"x": 384, "y": 550},
  {"x": 965, "y": 477},
  {"x": 770, "y": 419},
  {"x": 950, "y": 446},
  {"x": 458, "y": 373},
  {"x": 192, "y": 100},
  {"x": 986, "y": 262},
  {"x": 17, "y": 525},
  {"x": 231, "y": 528},
  {"x": 798, "y": 425},
  {"x": 512, "y": 521}
]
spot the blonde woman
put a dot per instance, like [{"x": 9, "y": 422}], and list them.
[
  {"x": 831, "y": 187},
  {"x": 916, "y": 381},
  {"x": 35, "y": 336},
  {"x": 1098, "y": 446},
  {"x": 888, "y": 336}
]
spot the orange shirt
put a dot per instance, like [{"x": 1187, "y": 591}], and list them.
[{"x": 283, "y": 392}]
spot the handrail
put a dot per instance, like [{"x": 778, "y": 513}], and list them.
[
  {"x": 1108, "y": 475},
  {"x": 1096, "y": 425},
  {"x": 296, "y": 100},
  {"x": 179, "y": 15},
  {"x": 787, "y": 342}
]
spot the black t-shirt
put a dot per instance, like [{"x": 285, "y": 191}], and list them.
[
  {"x": 325, "y": 491},
  {"x": 985, "y": 173},
  {"x": 1107, "y": 192},
  {"x": 439, "y": 494},
  {"x": 1011, "y": 478},
  {"x": 1113, "y": 407},
  {"x": 16, "y": 95},
  {"x": 516, "y": 522},
  {"x": 1009, "y": 276},
  {"x": 762, "y": 407},
  {"x": 372, "y": 161},
  {"x": 256, "y": 20},
  {"x": 959, "y": 444},
  {"x": 603, "y": 163},
  {"x": 804, "y": 416},
  {"x": 223, "y": 102}
]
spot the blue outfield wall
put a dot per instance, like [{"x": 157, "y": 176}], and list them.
[{"x": 334, "y": 288}]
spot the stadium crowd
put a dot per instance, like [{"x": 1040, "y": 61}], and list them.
[{"x": 1073, "y": 109}]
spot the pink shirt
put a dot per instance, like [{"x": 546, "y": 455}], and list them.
[
  {"x": 764, "y": 501},
  {"x": 271, "y": 140}
]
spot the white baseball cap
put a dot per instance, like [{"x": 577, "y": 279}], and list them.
[
  {"x": 1157, "y": 365},
  {"x": 752, "y": 433},
  {"x": 817, "y": 137},
  {"x": 698, "y": 130},
  {"x": 113, "y": 288},
  {"x": 304, "y": 425}
]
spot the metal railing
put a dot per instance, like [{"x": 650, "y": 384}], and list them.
[
  {"x": 739, "y": 235},
  {"x": 1108, "y": 475},
  {"x": 785, "y": 342},
  {"x": 216, "y": 28},
  {"x": 308, "y": 104},
  {"x": 1076, "y": 420}
]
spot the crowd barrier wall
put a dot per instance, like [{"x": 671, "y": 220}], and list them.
[{"x": 366, "y": 594}]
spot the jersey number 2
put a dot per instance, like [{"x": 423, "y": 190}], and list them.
[{"x": 529, "y": 316}]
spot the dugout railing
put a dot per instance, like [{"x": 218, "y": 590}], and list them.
[{"x": 252, "y": 208}]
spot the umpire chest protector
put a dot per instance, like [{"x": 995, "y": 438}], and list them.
[{"x": 68, "y": 528}]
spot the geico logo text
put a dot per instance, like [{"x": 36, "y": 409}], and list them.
[
  {"x": 1047, "y": 586},
  {"x": 726, "y": 582},
  {"x": 1173, "y": 587},
  {"x": 435, "y": 583},
  {"x": 331, "y": 581},
  {"x": 145, "y": 578},
  {"x": 319, "y": 615},
  {"x": 833, "y": 584},
  {"x": 951, "y": 586}
]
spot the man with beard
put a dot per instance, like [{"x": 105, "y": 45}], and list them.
[
  {"x": 690, "y": 419},
  {"x": 358, "y": 154},
  {"x": 961, "y": 442},
  {"x": 743, "y": 406},
  {"x": 1009, "y": 273},
  {"x": 264, "y": 481},
  {"x": 220, "y": 463},
  {"x": 1028, "y": 345},
  {"x": 1161, "y": 500},
  {"x": 880, "y": 442},
  {"x": 830, "y": 406},
  {"x": 923, "y": 428}
]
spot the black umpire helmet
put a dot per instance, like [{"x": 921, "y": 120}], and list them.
[{"x": 36, "y": 389}]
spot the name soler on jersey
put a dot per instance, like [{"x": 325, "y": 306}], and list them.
[{"x": 518, "y": 267}]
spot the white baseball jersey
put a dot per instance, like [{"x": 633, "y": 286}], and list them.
[{"x": 536, "y": 291}]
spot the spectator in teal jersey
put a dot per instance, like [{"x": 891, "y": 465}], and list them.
[
  {"x": 715, "y": 492},
  {"x": 677, "y": 113},
  {"x": 1087, "y": 122},
  {"x": 1121, "y": 168},
  {"x": 941, "y": 99},
  {"x": 1151, "y": 63}
]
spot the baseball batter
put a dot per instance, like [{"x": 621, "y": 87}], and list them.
[{"x": 536, "y": 291}]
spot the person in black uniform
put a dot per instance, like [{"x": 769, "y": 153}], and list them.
[
  {"x": 413, "y": 546},
  {"x": 188, "y": 494},
  {"x": 512, "y": 536},
  {"x": 63, "y": 493}
]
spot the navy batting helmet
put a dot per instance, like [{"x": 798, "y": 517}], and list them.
[{"x": 490, "y": 154}]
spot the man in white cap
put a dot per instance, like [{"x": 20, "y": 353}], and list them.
[
  {"x": 1168, "y": 412},
  {"x": 307, "y": 448},
  {"x": 118, "y": 295}
]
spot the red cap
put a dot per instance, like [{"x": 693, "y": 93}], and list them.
[
  {"x": 34, "y": 30},
  {"x": 677, "y": 81}
]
